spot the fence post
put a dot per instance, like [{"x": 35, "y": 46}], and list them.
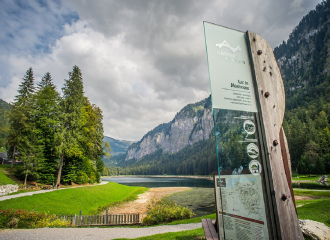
[
  {"x": 74, "y": 220},
  {"x": 106, "y": 217}
]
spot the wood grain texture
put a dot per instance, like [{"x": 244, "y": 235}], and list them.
[{"x": 269, "y": 80}]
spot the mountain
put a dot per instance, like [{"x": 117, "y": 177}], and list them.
[
  {"x": 117, "y": 146},
  {"x": 118, "y": 150},
  {"x": 191, "y": 125},
  {"x": 304, "y": 62}
]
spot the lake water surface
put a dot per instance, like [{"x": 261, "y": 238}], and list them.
[{"x": 152, "y": 182}]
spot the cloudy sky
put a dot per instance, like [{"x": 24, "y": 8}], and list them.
[{"x": 141, "y": 60}]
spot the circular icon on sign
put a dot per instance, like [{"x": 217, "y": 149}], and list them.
[
  {"x": 255, "y": 167},
  {"x": 249, "y": 127},
  {"x": 252, "y": 150}
]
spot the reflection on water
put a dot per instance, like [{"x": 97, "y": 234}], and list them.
[
  {"x": 310, "y": 186},
  {"x": 152, "y": 182}
]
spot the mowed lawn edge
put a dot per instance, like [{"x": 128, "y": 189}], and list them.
[
  {"x": 90, "y": 199},
  {"x": 4, "y": 179}
]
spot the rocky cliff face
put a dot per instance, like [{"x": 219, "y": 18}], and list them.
[{"x": 192, "y": 124}]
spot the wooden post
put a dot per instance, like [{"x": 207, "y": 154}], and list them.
[
  {"x": 106, "y": 216},
  {"x": 270, "y": 94}
]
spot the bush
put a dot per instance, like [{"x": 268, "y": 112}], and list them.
[
  {"x": 25, "y": 219},
  {"x": 165, "y": 211},
  {"x": 52, "y": 221},
  {"x": 81, "y": 178},
  {"x": 19, "y": 218}
]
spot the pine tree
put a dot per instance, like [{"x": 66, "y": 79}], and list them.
[
  {"x": 24, "y": 135},
  {"x": 69, "y": 133},
  {"x": 20, "y": 114},
  {"x": 47, "y": 110}
]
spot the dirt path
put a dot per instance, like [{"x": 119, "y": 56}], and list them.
[{"x": 140, "y": 204}]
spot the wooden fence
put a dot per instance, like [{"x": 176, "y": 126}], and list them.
[{"x": 98, "y": 220}]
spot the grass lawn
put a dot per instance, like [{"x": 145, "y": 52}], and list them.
[
  {"x": 312, "y": 193},
  {"x": 4, "y": 180},
  {"x": 183, "y": 235},
  {"x": 307, "y": 177},
  {"x": 317, "y": 210},
  {"x": 91, "y": 200}
]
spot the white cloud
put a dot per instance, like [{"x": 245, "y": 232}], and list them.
[{"x": 142, "y": 61}]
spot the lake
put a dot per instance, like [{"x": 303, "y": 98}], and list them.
[{"x": 154, "y": 182}]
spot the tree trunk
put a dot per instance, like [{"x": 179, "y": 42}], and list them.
[
  {"x": 26, "y": 174},
  {"x": 13, "y": 159},
  {"x": 60, "y": 170}
]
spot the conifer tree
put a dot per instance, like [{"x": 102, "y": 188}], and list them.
[
  {"x": 24, "y": 136},
  {"x": 47, "y": 110},
  {"x": 69, "y": 132}
]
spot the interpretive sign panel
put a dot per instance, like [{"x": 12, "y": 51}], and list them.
[
  {"x": 229, "y": 69},
  {"x": 243, "y": 208},
  {"x": 239, "y": 193},
  {"x": 254, "y": 197}
]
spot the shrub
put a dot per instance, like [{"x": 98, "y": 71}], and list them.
[
  {"x": 25, "y": 219},
  {"x": 165, "y": 211},
  {"x": 19, "y": 218},
  {"x": 81, "y": 178},
  {"x": 52, "y": 221}
]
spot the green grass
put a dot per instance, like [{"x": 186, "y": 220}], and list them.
[
  {"x": 183, "y": 235},
  {"x": 311, "y": 193},
  {"x": 317, "y": 210},
  {"x": 91, "y": 200},
  {"x": 192, "y": 220},
  {"x": 312, "y": 177},
  {"x": 4, "y": 180},
  {"x": 202, "y": 205}
]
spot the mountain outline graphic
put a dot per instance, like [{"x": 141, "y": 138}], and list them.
[{"x": 226, "y": 44}]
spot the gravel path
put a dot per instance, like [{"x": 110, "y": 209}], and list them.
[
  {"x": 91, "y": 233},
  {"x": 2, "y": 198}
]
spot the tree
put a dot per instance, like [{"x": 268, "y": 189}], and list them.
[
  {"x": 69, "y": 131},
  {"x": 47, "y": 119},
  {"x": 24, "y": 135},
  {"x": 20, "y": 114}
]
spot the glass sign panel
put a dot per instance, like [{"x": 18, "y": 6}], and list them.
[{"x": 241, "y": 207}]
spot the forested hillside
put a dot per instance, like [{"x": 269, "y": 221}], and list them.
[
  {"x": 4, "y": 124},
  {"x": 304, "y": 61}
]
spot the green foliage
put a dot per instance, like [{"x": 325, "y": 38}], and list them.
[
  {"x": 19, "y": 218},
  {"x": 304, "y": 66},
  {"x": 165, "y": 211},
  {"x": 49, "y": 134},
  {"x": 25, "y": 219},
  {"x": 81, "y": 178},
  {"x": 51, "y": 221},
  {"x": 91, "y": 199},
  {"x": 4, "y": 124}
]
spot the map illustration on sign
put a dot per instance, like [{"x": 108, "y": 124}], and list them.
[{"x": 243, "y": 207}]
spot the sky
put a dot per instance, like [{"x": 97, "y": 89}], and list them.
[{"x": 142, "y": 61}]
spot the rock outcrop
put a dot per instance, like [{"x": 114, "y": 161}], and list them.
[
  {"x": 7, "y": 189},
  {"x": 192, "y": 124},
  {"x": 314, "y": 230}
]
